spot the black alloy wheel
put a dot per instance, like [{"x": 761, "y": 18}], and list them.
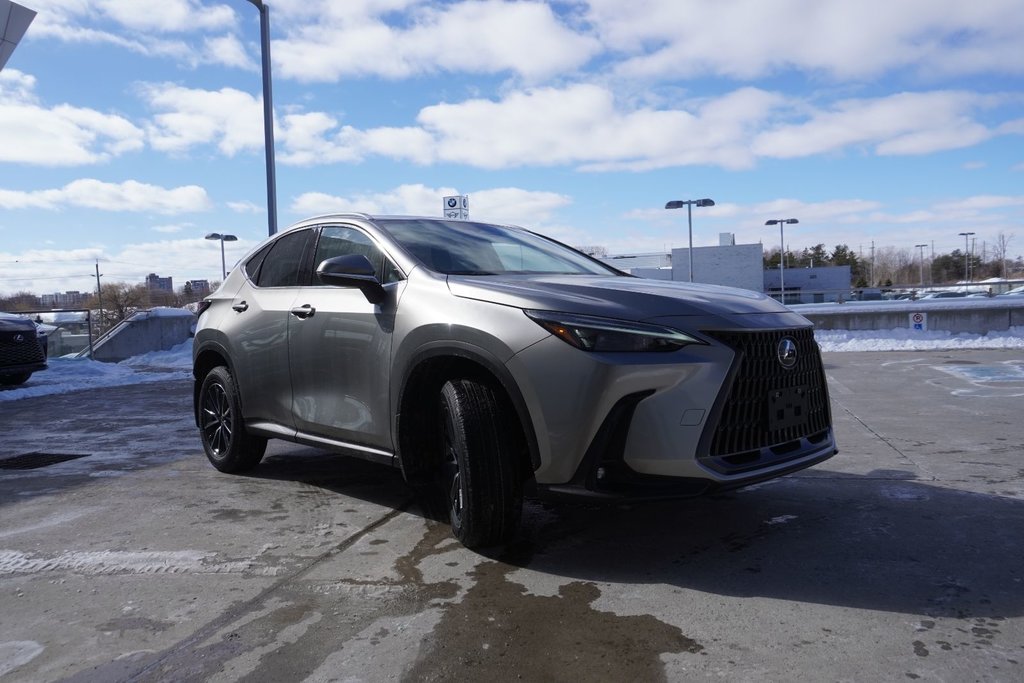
[{"x": 229, "y": 447}]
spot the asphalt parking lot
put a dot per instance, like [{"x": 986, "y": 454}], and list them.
[{"x": 900, "y": 558}]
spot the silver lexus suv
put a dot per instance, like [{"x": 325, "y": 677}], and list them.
[{"x": 489, "y": 362}]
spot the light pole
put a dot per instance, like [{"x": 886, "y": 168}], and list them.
[
  {"x": 967, "y": 262},
  {"x": 268, "y": 115},
  {"x": 689, "y": 203},
  {"x": 920, "y": 249},
  {"x": 223, "y": 239},
  {"x": 781, "y": 222}
]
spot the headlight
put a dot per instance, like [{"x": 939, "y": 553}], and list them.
[{"x": 590, "y": 333}]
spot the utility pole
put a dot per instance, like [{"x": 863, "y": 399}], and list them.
[
  {"x": 872, "y": 283},
  {"x": 99, "y": 295}
]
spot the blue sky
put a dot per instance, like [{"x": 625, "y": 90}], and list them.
[{"x": 131, "y": 128}]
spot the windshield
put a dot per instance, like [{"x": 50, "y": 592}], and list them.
[{"x": 466, "y": 248}]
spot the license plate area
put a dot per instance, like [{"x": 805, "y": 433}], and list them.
[{"x": 787, "y": 408}]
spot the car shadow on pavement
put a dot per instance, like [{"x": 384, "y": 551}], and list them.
[
  {"x": 371, "y": 482},
  {"x": 867, "y": 542},
  {"x": 879, "y": 541}
]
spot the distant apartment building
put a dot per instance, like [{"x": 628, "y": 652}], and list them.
[
  {"x": 198, "y": 287},
  {"x": 68, "y": 299},
  {"x": 155, "y": 283}
]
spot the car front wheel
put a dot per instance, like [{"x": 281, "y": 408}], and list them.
[
  {"x": 228, "y": 445},
  {"x": 15, "y": 380},
  {"x": 480, "y": 476}
]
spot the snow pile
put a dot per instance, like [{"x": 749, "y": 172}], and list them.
[
  {"x": 913, "y": 340},
  {"x": 72, "y": 374}
]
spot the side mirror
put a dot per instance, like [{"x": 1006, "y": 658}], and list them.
[{"x": 352, "y": 270}]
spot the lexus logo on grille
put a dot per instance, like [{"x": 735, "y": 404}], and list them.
[
  {"x": 786, "y": 352},
  {"x": 19, "y": 338}
]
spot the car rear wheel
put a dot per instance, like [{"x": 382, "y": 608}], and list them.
[
  {"x": 15, "y": 380},
  {"x": 228, "y": 445},
  {"x": 480, "y": 477}
]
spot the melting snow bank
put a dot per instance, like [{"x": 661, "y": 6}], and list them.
[
  {"x": 911, "y": 340},
  {"x": 72, "y": 374}
]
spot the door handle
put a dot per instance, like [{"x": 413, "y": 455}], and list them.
[
  {"x": 241, "y": 307},
  {"x": 304, "y": 311}
]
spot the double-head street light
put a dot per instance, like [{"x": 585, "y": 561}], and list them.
[
  {"x": 782, "y": 253},
  {"x": 920, "y": 249},
  {"x": 223, "y": 239},
  {"x": 688, "y": 203},
  {"x": 967, "y": 263},
  {"x": 268, "y": 115}
]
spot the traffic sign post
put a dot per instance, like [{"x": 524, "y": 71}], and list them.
[{"x": 919, "y": 322}]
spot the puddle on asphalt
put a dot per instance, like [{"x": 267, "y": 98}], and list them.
[{"x": 498, "y": 628}]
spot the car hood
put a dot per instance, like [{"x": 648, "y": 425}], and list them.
[
  {"x": 14, "y": 323},
  {"x": 627, "y": 298}
]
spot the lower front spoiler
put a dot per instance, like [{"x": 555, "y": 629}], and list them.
[{"x": 616, "y": 482}]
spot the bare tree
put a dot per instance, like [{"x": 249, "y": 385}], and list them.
[{"x": 1000, "y": 248}]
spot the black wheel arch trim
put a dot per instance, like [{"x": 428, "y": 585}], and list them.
[
  {"x": 495, "y": 367},
  {"x": 218, "y": 348}
]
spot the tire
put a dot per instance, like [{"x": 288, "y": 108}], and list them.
[
  {"x": 15, "y": 380},
  {"x": 480, "y": 472},
  {"x": 229, "y": 447}
]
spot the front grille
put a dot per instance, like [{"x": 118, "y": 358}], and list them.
[
  {"x": 23, "y": 352},
  {"x": 745, "y": 425}
]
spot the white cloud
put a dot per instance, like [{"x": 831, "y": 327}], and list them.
[
  {"x": 478, "y": 36},
  {"x": 745, "y": 39},
  {"x": 165, "y": 16},
  {"x": 130, "y": 195},
  {"x": 245, "y": 206},
  {"x": 230, "y": 118},
  {"x": 32, "y": 133},
  {"x": 228, "y": 51},
  {"x": 501, "y": 205},
  {"x": 56, "y": 270},
  {"x": 143, "y": 27},
  {"x": 414, "y": 199},
  {"x": 904, "y": 123},
  {"x": 170, "y": 229}
]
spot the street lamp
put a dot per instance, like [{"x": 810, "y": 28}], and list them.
[
  {"x": 781, "y": 222},
  {"x": 223, "y": 239},
  {"x": 967, "y": 263},
  {"x": 268, "y": 115},
  {"x": 920, "y": 248},
  {"x": 689, "y": 203}
]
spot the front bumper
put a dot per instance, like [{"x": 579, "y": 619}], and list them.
[{"x": 672, "y": 425}]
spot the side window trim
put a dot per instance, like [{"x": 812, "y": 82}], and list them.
[
  {"x": 381, "y": 267},
  {"x": 304, "y": 273}
]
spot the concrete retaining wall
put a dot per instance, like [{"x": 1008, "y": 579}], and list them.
[
  {"x": 144, "y": 332},
  {"x": 974, "y": 316}
]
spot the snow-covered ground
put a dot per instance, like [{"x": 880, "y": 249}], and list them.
[
  {"x": 65, "y": 374},
  {"x": 71, "y": 374}
]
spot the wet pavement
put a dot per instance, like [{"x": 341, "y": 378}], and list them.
[{"x": 900, "y": 558}]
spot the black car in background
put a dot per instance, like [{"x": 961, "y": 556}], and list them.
[{"x": 22, "y": 349}]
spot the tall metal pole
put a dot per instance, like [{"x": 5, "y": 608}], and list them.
[
  {"x": 223, "y": 264},
  {"x": 920, "y": 249},
  {"x": 967, "y": 263},
  {"x": 689, "y": 223},
  {"x": 268, "y": 116},
  {"x": 782, "y": 263}
]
